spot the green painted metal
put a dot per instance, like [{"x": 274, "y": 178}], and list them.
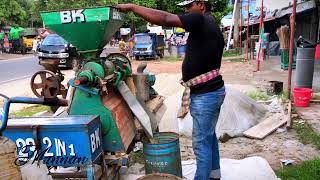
[
  {"x": 93, "y": 71},
  {"x": 84, "y": 103},
  {"x": 95, "y": 68},
  {"x": 122, "y": 75},
  {"x": 87, "y": 29},
  {"x": 88, "y": 74}
]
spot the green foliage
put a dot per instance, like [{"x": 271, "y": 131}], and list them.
[
  {"x": 259, "y": 96},
  {"x": 283, "y": 95},
  {"x": 172, "y": 58},
  {"x": 307, "y": 170},
  {"x": 26, "y": 12},
  {"x": 11, "y": 13},
  {"x": 232, "y": 52},
  {"x": 220, "y": 8}
]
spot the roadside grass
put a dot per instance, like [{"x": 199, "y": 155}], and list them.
[
  {"x": 259, "y": 95},
  {"x": 283, "y": 95},
  {"x": 232, "y": 52},
  {"x": 308, "y": 170},
  {"x": 306, "y": 134},
  {"x": 235, "y": 59},
  {"x": 172, "y": 58},
  {"x": 30, "y": 111}
]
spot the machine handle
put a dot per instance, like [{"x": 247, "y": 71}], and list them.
[
  {"x": 81, "y": 80},
  {"x": 25, "y": 100}
]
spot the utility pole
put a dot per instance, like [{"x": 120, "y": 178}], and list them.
[
  {"x": 291, "y": 48},
  {"x": 241, "y": 26},
  {"x": 248, "y": 25},
  {"x": 232, "y": 22},
  {"x": 236, "y": 24}
]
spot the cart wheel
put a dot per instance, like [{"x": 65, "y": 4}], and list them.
[{"x": 45, "y": 84}]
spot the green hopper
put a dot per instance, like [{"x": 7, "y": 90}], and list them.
[{"x": 88, "y": 29}]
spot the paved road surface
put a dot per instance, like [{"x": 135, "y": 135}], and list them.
[{"x": 16, "y": 69}]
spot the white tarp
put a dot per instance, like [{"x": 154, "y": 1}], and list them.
[
  {"x": 238, "y": 114},
  {"x": 252, "y": 168}
]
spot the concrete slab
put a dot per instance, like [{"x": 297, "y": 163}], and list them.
[{"x": 311, "y": 114}]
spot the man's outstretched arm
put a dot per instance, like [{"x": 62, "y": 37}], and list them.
[{"x": 153, "y": 16}]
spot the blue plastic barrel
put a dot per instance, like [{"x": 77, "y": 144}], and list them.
[{"x": 164, "y": 155}]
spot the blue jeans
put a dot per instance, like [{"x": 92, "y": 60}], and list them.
[{"x": 205, "y": 109}]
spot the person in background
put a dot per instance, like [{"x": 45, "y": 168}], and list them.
[
  {"x": 35, "y": 43},
  {"x": 170, "y": 39},
  {"x": 131, "y": 45},
  {"x": 1, "y": 41},
  {"x": 200, "y": 76},
  {"x": 122, "y": 45}
]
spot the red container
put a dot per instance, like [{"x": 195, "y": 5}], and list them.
[
  {"x": 302, "y": 96},
  {"x": 317, "y": 55}
]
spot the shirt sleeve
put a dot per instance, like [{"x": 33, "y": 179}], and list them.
[{"x": 192, "y": 22}]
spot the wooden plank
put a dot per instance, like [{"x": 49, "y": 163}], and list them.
[
  {"x": 266, "y": 127},
  {"x": 155, "y": 103}
]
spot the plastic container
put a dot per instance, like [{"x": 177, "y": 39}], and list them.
[
  {"x": 164, "y": 155},
  {"x": 305, "y": 68},
  {"x": 317, "y": 54},
  {"x": 285, "y": 59},
  {"x": 159, "y": 176},
  {"x": 302, "y": 96}
]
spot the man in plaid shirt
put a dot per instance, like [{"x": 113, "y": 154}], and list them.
[{"x": 205, "y": 91}]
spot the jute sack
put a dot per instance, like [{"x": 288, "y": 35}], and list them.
[{"x": 9, "y": 171}]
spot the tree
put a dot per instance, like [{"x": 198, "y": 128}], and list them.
[
  {"x": 11, "y": 13},
  {"x": 220, "y": 8}
]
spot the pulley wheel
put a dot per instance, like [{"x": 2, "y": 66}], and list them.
[
  {"x": 119, "y": 60},
  {"x": 45, "y": 84}
]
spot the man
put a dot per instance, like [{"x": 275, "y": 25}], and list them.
[
  {"x": 200, "y": 75},
  {"x": 122, "y": 45}
]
